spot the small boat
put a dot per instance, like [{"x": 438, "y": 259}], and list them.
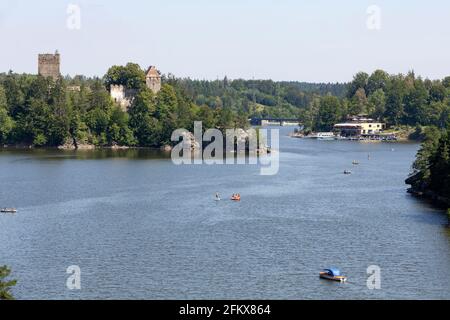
[
  {"x": 332, "y": 274},
  {"x": 355, "y": 162},
  {"x": 236, "y": 197},
  {"x": 325, "y": 136},
  {"x": 8, "y": 210},
  {"x": 347, "y": 172}
]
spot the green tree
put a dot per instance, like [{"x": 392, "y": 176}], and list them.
[
  {"x": 329, "y": 113},
  {"x": 358, "y": 103},
  {"x": 415, "y": 104},
  {"x": 378, "y": 80},
  {"x": 131, "y": 76},
  {"x": 431, "y": 136},
  {"x": 6, "y": 122},
  {"x": 359, "y": 82},
  {"x": 118, "y": 130},
  {"x": 377, "y": 104},
  {"x": 437, "y": 92},
  {"x": 396, "y": 92},
  {"x": 6, "y": 285},
  {"x": 446, "y": 82},
  {"x": 440, "y": 166},
  {"x": 147, "y": 129}
]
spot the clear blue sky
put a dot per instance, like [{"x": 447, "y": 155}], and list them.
[{"x": 302, "y": 40}]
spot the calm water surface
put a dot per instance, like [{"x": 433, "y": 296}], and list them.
[{"x": 141, "y": 227}]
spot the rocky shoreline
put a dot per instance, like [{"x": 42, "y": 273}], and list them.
[
  {"x": 189, "y": 139},
  {"x": 435, "y": 199},
  {"x": 420, "y": 191}
]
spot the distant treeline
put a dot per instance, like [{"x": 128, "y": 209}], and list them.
[
  {"x": 41, "y": 112},
  {"x": 259, "y": 98},
  {"x": 394, "y": 99}
]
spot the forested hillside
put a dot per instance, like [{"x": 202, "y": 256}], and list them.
[
  {"x": 432, "y": 166},
  {"x": 393, "y": 99},
  {"x": 259, "y": 98},
  {"x": 38, "y": 111}
]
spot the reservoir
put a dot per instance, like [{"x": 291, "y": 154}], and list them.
[{"x": 140, "y": 227}]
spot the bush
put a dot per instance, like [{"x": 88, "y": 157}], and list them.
[{"x": 5, "y": 286}]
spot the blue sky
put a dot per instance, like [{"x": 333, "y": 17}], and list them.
[{"x": 321, "y": 41}]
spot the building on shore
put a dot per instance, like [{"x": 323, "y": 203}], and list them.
[
  {"x": 48, "y": 65},
  {"x": 359, "y": 126}
]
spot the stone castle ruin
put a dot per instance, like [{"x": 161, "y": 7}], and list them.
[
  {"x": 153, "y": 79},
  {"x": 124, "y": 96},
  {"x": 48, "y": 65}
]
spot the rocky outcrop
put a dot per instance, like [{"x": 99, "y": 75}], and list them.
[
  {"x": 72, "y": 144},
  {"x": 166, "y": 148},
  {"x": 241, "y": 137},
  {"x": 115, "y": 146},
  {"x": 189, "y": 141}
]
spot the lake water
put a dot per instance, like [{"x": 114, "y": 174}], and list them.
[{"x": 140, "y": 227}]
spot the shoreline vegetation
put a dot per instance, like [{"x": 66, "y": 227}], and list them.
[
  {"x": 79, "y": 112},
  {"x": 430, "y": 177},
  {"x": 401, "y": 133},
  {"x": 6, "y": 285}
]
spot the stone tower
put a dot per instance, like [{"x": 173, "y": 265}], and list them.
[
  {"x": 153, "y": 79},
  {"x": 48, "y": 65}
]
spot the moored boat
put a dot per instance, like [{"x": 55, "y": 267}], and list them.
[
  {"x": 332, "y": 274},
  {"x": 325, "y": 136},
  {"x": 8, "y": 210}
]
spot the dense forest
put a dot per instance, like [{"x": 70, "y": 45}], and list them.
[
  {"x": 38, "y": 111},
  {"x": 431, "y": 170},
  {"x": 393, "y": 99},
  {"x": 41, "y": 112},
  {"x": 259, "y": 98}
]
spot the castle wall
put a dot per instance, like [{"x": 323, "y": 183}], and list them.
[{"x": 122, "y": 96}]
